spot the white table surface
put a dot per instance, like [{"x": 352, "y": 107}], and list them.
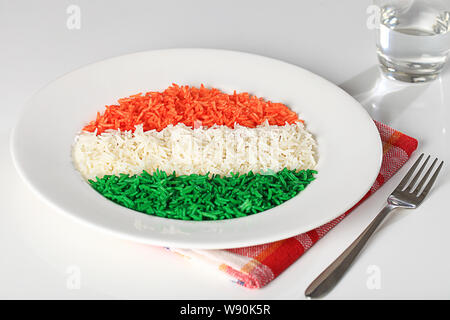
[{"x": 41, "y": 250}]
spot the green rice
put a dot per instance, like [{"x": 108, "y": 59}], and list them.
[{"x": 202, "y": 197}]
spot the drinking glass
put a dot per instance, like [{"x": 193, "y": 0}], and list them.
[{"x": 413, "y": 38}]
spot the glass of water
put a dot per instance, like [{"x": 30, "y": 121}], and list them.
[{"x": 413, "y": 38}]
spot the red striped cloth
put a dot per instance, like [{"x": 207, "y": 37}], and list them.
[{"x": 256, "y": 266}]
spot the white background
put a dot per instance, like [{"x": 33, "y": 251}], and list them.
[{"x": 42, "y": 251}]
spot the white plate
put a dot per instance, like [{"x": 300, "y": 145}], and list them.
[{"x": 349, "y": 143}]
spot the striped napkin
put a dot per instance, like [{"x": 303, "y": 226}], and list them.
[{"x": 256, "y": 266}]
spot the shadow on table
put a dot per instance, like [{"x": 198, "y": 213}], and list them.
[
  {"x": 384, "y": 99},
  {"x": 387, "y": 100}
]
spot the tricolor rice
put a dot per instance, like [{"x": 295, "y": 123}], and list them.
[{"x": 196, "y": 153}]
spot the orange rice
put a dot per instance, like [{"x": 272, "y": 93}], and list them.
[{"x": 190, "y": 106}]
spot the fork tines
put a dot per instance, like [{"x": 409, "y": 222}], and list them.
[{"x": 405, "y": 187}]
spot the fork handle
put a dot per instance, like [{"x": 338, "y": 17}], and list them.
[{"x": 334, "y": 272}]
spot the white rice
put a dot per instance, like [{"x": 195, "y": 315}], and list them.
[{"x": 217, "y": 150}]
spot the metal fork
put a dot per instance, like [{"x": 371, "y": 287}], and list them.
[{"x": 404, "y": 196}]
